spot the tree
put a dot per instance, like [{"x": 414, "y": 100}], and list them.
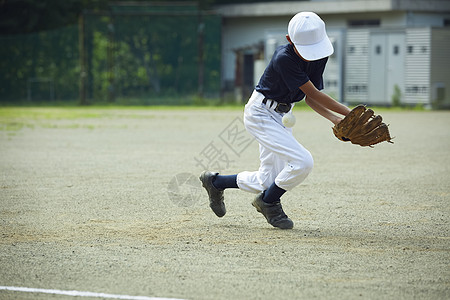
[{"x": 27, "y": 16}]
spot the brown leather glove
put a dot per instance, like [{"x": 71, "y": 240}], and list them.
[{"x": 362, "y": 127}]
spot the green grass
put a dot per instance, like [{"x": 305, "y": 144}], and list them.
[
  {"x": 100, "y": 111},
  {"x": 47, "y": 113},
  {"x": 17, "y": 118}
]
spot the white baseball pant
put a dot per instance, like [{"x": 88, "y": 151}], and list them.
[{"x": 283, "y": 159}]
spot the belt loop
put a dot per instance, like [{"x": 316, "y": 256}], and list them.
[{"x": 271, "y": 102}]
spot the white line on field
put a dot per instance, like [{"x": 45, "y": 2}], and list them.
[{"x": 80, "y": 294}]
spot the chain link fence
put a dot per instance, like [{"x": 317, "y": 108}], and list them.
[{"x": 143, "y": 54}]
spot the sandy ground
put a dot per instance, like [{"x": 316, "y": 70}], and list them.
[{"x": 110, "y": 203}]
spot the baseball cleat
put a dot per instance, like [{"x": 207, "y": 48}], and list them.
[
  {"x": 273, "y": 212},
  {"x": 215, "y": 195}
]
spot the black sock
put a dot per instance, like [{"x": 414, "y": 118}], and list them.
[
  {"x": 273, "y": 193},
  {"x": 222, "y": 182}
]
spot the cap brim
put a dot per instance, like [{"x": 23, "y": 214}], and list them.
[{"x": 316, "y": 51}]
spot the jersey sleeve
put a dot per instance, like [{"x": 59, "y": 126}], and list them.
[{"x": 291, "y": 73}]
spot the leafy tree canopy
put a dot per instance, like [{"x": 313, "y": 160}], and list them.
[{"x": 26, "y": 16}]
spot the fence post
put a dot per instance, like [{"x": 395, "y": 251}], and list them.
[
  {"x": 110, "y": 59},
  {"x": 201, "y": 60},
  {"x": 82, "y": 50}
]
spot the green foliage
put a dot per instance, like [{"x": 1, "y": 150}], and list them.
[
  {"x": 33, "y": 65},
  {"x": 27, "y": 16},
  {"x": 153, "y": 55},
  {"x": 127, "y": 55},
  {"x": 397, "y": 96}
]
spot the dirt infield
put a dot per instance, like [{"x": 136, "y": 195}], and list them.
[{"x": 106, "y": 200}]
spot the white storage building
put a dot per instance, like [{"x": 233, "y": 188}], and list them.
[{"x": 386, "y": 51}]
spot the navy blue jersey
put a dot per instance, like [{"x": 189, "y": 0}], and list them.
[{"x": 286, "y": 72}]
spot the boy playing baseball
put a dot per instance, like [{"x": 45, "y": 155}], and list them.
[{"x": 295, "y": 72}]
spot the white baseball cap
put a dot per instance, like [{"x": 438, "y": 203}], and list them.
[{"x": 307, "y": 31}]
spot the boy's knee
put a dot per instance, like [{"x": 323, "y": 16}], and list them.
[
  {"x": 304, "y": 163},
  {"x": 302, "y": 170},
  {"x": 307, "y": 163},
  {"x": 299, "y": 170}
]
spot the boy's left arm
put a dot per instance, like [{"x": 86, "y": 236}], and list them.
[
  {"x": 323, "y": 104},
  {"x": 359, "y": 126}
]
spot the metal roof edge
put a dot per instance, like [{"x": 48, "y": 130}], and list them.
[{"x": 281, "y": 8}]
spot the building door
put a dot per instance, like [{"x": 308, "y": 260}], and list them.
[
  {"x": 387, "y": 67},
  {"x": 395, "y": 86}
]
